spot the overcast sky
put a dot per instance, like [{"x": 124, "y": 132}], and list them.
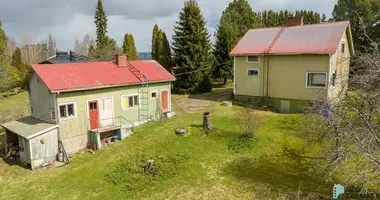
[{"x": 69, "y": 20}]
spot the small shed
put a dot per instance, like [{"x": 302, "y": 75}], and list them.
[{"x": 32, "y": 141}]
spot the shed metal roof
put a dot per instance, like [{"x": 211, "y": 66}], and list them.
[
  {"x": 314, "y": 38},
  {"x": 29, "y": 127},
  {"x": 90, "y": 75}
]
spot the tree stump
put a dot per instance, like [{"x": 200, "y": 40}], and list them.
[
  {"x": 207, "y": 121},
  {"x": 149, "y": 166}
]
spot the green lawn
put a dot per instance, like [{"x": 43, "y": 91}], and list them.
[
  {"x": 217, "y": 165},
  {"x": 19, "y": 101}
]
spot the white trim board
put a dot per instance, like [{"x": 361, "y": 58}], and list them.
[{"x": 75, "y": 111}]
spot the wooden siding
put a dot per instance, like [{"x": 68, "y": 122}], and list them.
[
  {"x": 287, "y": 76},
  {"x": 340, "y": 64},
  {"x": 44, "y": 147},
  {"x": 79, "y": 125},
  {"x": 41, "y": 99}
]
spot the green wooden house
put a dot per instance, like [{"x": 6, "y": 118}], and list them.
[{"x": 93, "y": 102}]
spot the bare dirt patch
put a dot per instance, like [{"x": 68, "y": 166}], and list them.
[{"x": 202, "y": 102}]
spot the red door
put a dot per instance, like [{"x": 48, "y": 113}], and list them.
[
  {"x": 164, "y": 101},
  {"x": 94, "y": 114}
]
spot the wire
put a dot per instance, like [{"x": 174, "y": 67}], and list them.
[{"x": 201, "y": 69}]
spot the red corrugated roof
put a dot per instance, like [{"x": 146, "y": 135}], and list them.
[
  {"x": 76, "y": 76},
  {"x": 315, "y": 38}
]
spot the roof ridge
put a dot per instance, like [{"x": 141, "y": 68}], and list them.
[{"x": 322, "y": 23}]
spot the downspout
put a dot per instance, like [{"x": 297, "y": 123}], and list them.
[
  {"x": 234, "y": 90},
  {"x": 329, "y": 86}
]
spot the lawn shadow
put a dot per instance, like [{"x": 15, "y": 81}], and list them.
[
  {"x": 276, "y": 175},
  {"x": 218, "y": 95},
  {"x": 196, "y": 126},
  {"x": 14, "y": 162}
]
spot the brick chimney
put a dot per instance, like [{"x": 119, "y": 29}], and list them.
[
  {"x": 121, "y": 60},
  {"x": 295, "y": 21}
]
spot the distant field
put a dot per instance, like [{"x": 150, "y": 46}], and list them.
[{"x": 202, "y": 165}]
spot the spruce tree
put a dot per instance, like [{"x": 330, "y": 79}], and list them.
[
  {"x": 101, "y": 25},
  {"x": 163, "y": 51},
  {"x": 129, "y": 47},
  {"x": 154, "y": 42},
  {"x": 192, "y": 50},
  {"x": 235, "y": 21}
]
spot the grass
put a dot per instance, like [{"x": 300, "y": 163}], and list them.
[
  {"x": 14, "y": 102},
  {"x": 216, "y": 165}
]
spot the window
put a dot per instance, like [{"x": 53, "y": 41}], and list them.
[
  {"x": 93, "y": 105},
  {"x": 316, "y": 79},
  {"x": 342, "y": 47},
  {"x": 52, "y": 113},
  {"x": 129, "y": 101},
  {"x": 253, "y": 59},
  {"x": 67, "y": 111},
  {"x": 154, "y": 95},
  {"x": 333, "y": 78},
  {"x": 252, "y": 72}
]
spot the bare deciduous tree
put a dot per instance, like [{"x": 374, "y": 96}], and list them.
[
  {"x": 348, "y": 129},
  {"x": 32, "y": 53},
  {"x": 249, "y": 121}
]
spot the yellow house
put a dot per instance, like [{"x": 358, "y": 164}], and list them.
[{"x": 288, "y": 67}]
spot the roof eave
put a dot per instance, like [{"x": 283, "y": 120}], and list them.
[{"x": 107, "y": 86}]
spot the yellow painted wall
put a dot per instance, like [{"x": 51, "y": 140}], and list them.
[
  {"x": 248, "y": 85},
  {"x": 287, "y": 76},
  {"x": 341, "y": 65},
  {"x": 79, "y": 125}
]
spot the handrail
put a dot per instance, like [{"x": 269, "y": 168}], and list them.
[{"x": 116, "y": 122}]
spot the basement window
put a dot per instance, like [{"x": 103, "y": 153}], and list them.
[
  {"x": 252, "y": 72},
  {"x": 67, "y": 111},
  {"x": 129, "y": 101},
  {"x": 316, "y": 79},
  {"x": 253, "y": 59}
]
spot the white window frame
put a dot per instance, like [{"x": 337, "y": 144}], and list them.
[
  {"x": 55, "y": 116},
  {"x": 69, "y": 117},
  {"x": 129, "y": 95},
  {"x": 154, "y": 91},
  {"x": 307, "y": 77},
  {"x": 258, "y": 59},
  {"x": 256, "y": 69}
]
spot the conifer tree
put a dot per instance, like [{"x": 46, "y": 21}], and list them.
[
  {"x": 154, "y": 42},
  {"x": 129, "y": 47},
  {"x": 4, "y": 60},
  {"x": 234, "y": 23},
  {"x": 192, "y": 50},
  {"x": 163, "y": 51},
  {"x": 101, "y": 25}
]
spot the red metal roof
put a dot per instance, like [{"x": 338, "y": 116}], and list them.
[
  {"x": 314, "y": 38},
  {"x": 89, "y": 75}
]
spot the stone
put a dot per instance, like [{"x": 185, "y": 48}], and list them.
[{"x": 227, "y": 103}]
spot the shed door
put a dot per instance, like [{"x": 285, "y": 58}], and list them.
[
  {"x": 94, "y": 114},
  {"x": 164, "y": 101},
  {"x": 106, "y": 112}
]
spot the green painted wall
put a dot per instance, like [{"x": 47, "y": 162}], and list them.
[
  {"x": 41, "y": 99},
  {"x": 80, "y": 125}
]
